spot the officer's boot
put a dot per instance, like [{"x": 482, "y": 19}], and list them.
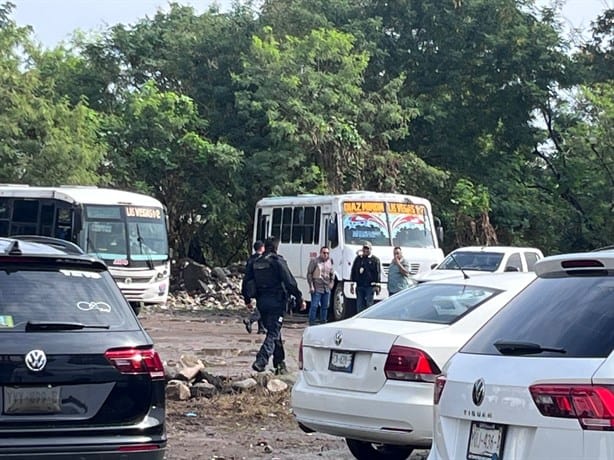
[{"x": 280, "y": 369}]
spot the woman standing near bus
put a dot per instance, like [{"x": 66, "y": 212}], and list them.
[
  {"x": 398, "y": 273},
  {"x": 321, "y": 278}
]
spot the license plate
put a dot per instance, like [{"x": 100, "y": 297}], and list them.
[
  {"x": 485, "y": 441},
  {"x": 341, "y": 361},
  {"x": 33, "y": 400}
]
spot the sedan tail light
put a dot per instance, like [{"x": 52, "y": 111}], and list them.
[
  {"x": 591, "y": 405},
  {"x": 440, "y": 382},
  {"x": 137, "y": 361},
  {"x": 300, "y": 355},
  {"x": 406, "y": 363}
]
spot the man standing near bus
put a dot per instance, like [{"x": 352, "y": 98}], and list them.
[
  {"x": 366, "y": 275},
  {"x": 272, "y": 282},
  {"x": 320, "y": 277}
]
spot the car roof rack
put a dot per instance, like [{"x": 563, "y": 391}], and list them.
[{"x": 66, "y": 246}]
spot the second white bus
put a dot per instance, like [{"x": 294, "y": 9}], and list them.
[
  {"x": 126, "y": 230},
  {"x": 344, "y": 222}
]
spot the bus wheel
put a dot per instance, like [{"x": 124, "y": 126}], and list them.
[
  {"x": 342, "y": 308},
  {"x": 136, "y": 306}
]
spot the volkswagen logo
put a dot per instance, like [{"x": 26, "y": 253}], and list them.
[
  {"x": 36, "y": 360},
  {"x": 478, "y": 392},
  {"x": 338, "y": 338},
  {"x": 128, "y": 281}
]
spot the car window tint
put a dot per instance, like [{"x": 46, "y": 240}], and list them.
[
  {"x": 576, "y": 314},
  {"x": 61, "y": 295},
  {"x": 471, "y": 260},
  {"x": 514, "y": 262},
  {"x": 531, "y": 258},
  {"x": 432, "y": 303}
]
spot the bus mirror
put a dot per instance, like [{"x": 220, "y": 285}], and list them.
[
  {"x": 440, "y": 234},
  {"x": 77, "y": 220},
  {"x": 332, "y": 234},
  {"x": 439, "y": 230}
]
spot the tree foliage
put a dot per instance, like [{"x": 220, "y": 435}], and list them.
[{"x": 480, "y": 105}]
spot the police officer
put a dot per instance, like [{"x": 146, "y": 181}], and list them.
[
  {"x": 255, "y": 314},
  {"x": 273, "y": 283}
]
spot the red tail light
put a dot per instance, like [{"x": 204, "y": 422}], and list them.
[
  {"x": 440, "y": 382},
  {"x": 137, "y": 361},
  {"x": 591, "y": 405},
  {"x": 300, "y": 355},
  {"x": 405, "y": 363}
]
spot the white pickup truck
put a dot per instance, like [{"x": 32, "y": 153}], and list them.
[{"x": 474, "y": 260}]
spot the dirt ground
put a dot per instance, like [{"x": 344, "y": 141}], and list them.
[{"x": 250, "y": 425}]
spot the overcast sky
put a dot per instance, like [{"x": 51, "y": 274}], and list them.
[{"x": 55, "y": 20}]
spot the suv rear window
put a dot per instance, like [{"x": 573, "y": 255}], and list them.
[
  {"x": 431, "y": 303},
  {"x": 573, "y": 313},
  {"x": 61, "y": 295}
]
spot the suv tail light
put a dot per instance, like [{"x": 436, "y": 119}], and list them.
[
  {"x": 591, "y": 405},
  {"x": 406, "y": 363},
  {"x": 300, "y": 355},
  {"x": 137, "y": 361},
  {"x": 440, "y": 382}
]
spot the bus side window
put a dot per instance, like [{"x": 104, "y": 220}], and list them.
[
  {"x": 276, "y": 226},
  {"x": 286, "y": 225},
  {"x": 298, "y": 219}
]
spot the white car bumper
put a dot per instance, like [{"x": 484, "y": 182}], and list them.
[{"x": 399, "y": 413}]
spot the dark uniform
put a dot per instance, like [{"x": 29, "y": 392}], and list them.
[
  {"x": 366, "y": 274},
  {"x": 273, "y": 282},
  {"x": 255, "y": 314}
]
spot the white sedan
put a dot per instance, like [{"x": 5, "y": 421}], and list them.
[{"x": 370, "y": 378}]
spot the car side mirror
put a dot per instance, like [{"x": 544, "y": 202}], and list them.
[
  {"x": 511, "y": 268},
  {"x": 433, "y": 266}
]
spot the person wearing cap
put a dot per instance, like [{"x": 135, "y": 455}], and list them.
[{"x": 365, "y": 277}]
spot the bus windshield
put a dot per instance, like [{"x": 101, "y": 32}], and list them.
[
  {"x": 387, "y": 224},
  {"x": 123, "y": 233}
]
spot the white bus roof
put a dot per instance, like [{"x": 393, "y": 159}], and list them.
[
  {"x": 79, "y": 195},
  {"x": 348, "y": 196}
]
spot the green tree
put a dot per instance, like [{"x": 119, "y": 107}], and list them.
[
  {"x": 43, "y": 139},
  {"x": 323, "y": 127},
  {"x": 158, "y": 146}
]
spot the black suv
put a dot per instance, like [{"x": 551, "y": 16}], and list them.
[{"x": 79, "y": 376}]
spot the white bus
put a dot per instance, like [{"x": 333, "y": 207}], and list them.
[
  {"x": 128, "y": 231},
  {"x": 305, "y": 223}
]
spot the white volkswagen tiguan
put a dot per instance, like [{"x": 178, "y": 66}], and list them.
[{"x": 537, "y": 381}]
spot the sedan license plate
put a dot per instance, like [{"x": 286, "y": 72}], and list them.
[
  {"x": 341, "y": 361},
  {"x": 485, "y": 441},
  {"x": 32, "y": 400}
]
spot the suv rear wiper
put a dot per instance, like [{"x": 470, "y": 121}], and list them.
[
  {"x": 61, "y": 326},
  {"x": 524, "y": 348}
]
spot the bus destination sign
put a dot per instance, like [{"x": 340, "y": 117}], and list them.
[
  {"x": 354, "y": 207},
  {"x": 406, "y": 208},
  {"x": 145, "y": 213}
]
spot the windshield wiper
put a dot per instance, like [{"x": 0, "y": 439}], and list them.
[
  {"x": 524, "y": 348},
  {"x": 61, "y": 326},
  {"x": 149, "y": 261}
]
